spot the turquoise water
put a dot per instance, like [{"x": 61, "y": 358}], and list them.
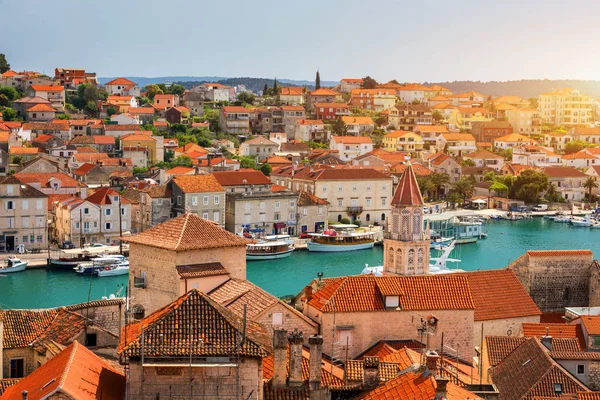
[{"x": 507, "y": 240}]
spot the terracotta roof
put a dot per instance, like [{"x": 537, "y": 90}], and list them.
[
  {"x": 559, "y": 253},
  {"x": 123, "y": 127},
  {"x": 187, "y": 232},
  {"x": 99, "y": 139},
  {"x": 581, "y": 155},
  {"x": 557, "y": 331},
  {"x": 84, "y": 169},
  {"x": 450, "y": 137},
  {"x": 498, "y": 294},
  {"x": 575, "y": 355},
  {"x": 563, "y": 172},
  {"x": 197, "y": 270},
  {"x": 306, "y": 199},
  {"x": 90, "y": 157},
  {"x": 408, "y": 192},
  {"x": 45, "y": 177},
  {"x": 352, "y": 80},
  {"x": 295, "y": 147},
  {"x": 7, "y": 382},
  {"x": 47, "y": 88},
  {"x": 355, "y": 370},
  {"x": 309, "y": 122},
  {"x": 291, "y": 91},
  {"x": 499, "y": 347},
  {"x": 191, "y": 147},
  {"x": 591, "y": 323},
  {"x": 120, "y": 81},
  {"x": 167, "y": 331},
  {"x": 241, "y": 177},
  {"x": 431, "y": 128},
  {"x": 133, "y": 137},
  {"x": 43, "y": 138},
  {"x": 352, "y": 139},
  {"x": 397, "y": 134},
  {"x": 198, "y": 183},
  {"x": 364, "y": 293},
  {"x": 141, "y": 110},
  {"x": 482, "y": 154},
  {"x": 75, "y": 372},
  {"x": 180, "y": 170},
  {"x": 23, "y": 150},
  {"x": 260, "y": 141},
  {"x": 236, "y": 110},
  {"x": 105, "y": 195},
  {"x": 41, "y": 108},
  {"x": 418, "y": 169},
  {"x": 514, "y": 137},
  {"x": 335, "y": 174},
  {"x": 323, "y": 92},
  {"x": 529, "y": 372}
]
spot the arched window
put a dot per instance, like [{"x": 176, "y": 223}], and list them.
[
  {"x": 390, "y": 255},
  {"x": 405, "y": 224},
  {"x": 411, "y": 259},
  {"x": 339, "y": 217},
  {"x": 368, "y": 217},
  {"x": 420, "y": 259},
  {"x": 399, "y": 257},
  {"x": 383, "y": 217},
  {"x": 417, "y": 222}
]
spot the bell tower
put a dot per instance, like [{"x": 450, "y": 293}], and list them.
[{"x": 406, "y": 243}]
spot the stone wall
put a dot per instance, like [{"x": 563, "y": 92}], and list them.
[
  {"x": 501, "y": 327},
  {"x": 210, "y": 382},
  {"x": 291, "y": 321},
  {"x": 26, "y": 353},
  {"x": 110, "y": 317},
  {"x": 594, "y": 294},
  {"x": 555, "y": 281}
]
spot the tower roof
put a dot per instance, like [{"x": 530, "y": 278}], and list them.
[{"x": 408, "y": 192}]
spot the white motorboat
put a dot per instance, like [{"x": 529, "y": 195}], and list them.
[
  {"x": 585, "y": 221},
  {"x": 13, "y": 264},
  {"x": 341, "y": 237},
  {"x": 269, "y": 250},
  {"x": 99, "y": 262},
  {"x": 114, "y": 270},
  {"x": 438, "y": 240}
]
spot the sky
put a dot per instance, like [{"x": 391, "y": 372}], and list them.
[{"x": 411, "y": 41}]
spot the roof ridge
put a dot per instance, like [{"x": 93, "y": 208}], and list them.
[
  {"x": 65, "y": 372},
  {"x": 187, "y": 218}
]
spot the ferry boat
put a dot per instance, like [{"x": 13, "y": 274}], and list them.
[
  {"x": 100, "y": 262},
  {"x": 463, "y": 226},
  {"x": 13, "y": 264},
  {"x": 113, "y": 270},
  {"x": 341, "y": 237},
  {"x": 269, "y": 250}
]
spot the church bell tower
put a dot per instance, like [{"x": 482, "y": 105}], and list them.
[{"x": 406, "y": 243}]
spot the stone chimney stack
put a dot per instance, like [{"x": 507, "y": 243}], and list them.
[
  {"x": 279, "y": 357},
  {"x": 431, "y": 358},
  {"x": 295, "y": 339},
  {"x": 370, "y": 372},
  {"x": 316, "y": 354},
  {"x": 440, "y": 390}
]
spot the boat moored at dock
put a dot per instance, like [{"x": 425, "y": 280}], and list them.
[
  {"x": 269, "y": 250},
  {"x": 13, "y": 264},
  {"x": 341, "y": 237}
]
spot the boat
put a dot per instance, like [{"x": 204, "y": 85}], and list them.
[
  {"x": 69, "y": 259},
  {"x": 279, "y": 238},
  {"x": 463, "y": 226},
  {"x": 99, "y": 262},
  {"x": 341, "y": 237},
  {"x": 113, "y": 270},
  {"x": 13, "y": 264},
  {"x": 269, "y": 250},
  {"x": 585, "y": 221},
  {"x": 438, "y": 240}
]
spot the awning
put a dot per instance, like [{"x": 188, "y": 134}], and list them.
[
  {"x": 479, "y": 201},
  {"x": 279, "y": 225}
]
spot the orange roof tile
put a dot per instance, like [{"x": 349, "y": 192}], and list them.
[
  {"x": 236, "y": 110},
  {"x": 198, "y": 183},
  {"x": 591, "y": 324},
  {"x": 563, "y": 172},
  {"x": 121, "y": 81},
  {"x": 408, "y": 192},
  {"x": 499, "y": 347},
  {"x": 23, "y": 150},
  {"x": 458, "y": 136},
  {"x": 323, "y": 92},
  {"x": 557, "y": 331},
  {"x": 309, "y": 122},
  {"x": 141, "y": 110},
  {"x": 47, "y": 88},
  {"x": 84, "y": 169},
  {"x": 292, "y": 91},
  {"x": 187, "y": 232},
  {"x": 75, "y": 372},
  {"x": 358, "y": 120},
  {"x": 41, "y": 108},
  {"x": 180, "y": 170},
  {"x": 352, "y": 139},
  {"x": 241, "y": 177},
  {"x": 105, "y": 195}
]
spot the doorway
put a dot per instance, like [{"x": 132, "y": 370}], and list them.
[{"x": 10, "y": 243}]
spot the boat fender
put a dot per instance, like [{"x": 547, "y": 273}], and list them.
[{"x": 106, "y": 268}]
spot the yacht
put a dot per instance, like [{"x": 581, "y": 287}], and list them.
[
  {"x": 579, "y": 221},
  {"x": 13, "y": 264},
  {"x": 100, "y": 262},
  {"x": 341, "y": 237},
  {"x": 113, "y": 270},
  {"x": 269, "y": 250}
]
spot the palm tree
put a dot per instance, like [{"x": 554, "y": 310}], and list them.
[
  {"x": 439, "y": 180},
  {"x": 464, "y": 188},
  {"x": 590, "y": 184}
]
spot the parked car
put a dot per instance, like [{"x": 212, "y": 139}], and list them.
[
  {"x": 541, "y": 207},
  {"x": 95, "y": 245},
  {"x": 67, "y": 244}
]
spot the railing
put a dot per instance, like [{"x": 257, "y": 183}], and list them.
[{"x": 354, "y": 209}]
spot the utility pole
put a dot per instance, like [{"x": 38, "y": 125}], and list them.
[{"x": 120, "y": 227}]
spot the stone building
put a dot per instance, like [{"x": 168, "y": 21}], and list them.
[
  {"x": 556, "y": 279},
  {"x": 149, "y": 207},
  {"x": 312, "y": 213},
  {"x": 199, "y": 194},
  {"x": 192, "y": 345},
  {"x": 406, "y": 243},
  {"x": 184, "y": 250}
]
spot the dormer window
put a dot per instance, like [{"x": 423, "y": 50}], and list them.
[{"x": 392, "y": 301}]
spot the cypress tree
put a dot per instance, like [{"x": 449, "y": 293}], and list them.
[
  {"x": 318, "y": 81},
  {"x": 265, "y": 90},
  {"x": 275, "y": 89}
]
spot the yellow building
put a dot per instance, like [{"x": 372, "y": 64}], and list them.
[
  {"x": 403, "y": 141},
  {"x": 136, "y": 141},
  {"x": 566, "y": 107},
  {"x": 463, "y": 117}
]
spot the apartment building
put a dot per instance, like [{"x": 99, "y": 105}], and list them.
[{"x": 566, "y": 107}]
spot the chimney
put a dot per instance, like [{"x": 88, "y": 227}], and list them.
[
  {"x": 440, "y": 387},
  {"x": 547, "y": 341},
  {"x": 308, "y": 293},
  {"x": 316, "y": 353},
  {"x": 431, "y": 358},
  {"x": 295, "y": 339},
  {"x": 370, "y": 372},
  {"x": 279, "y": 357},
  {"x": 24, "y": 395}
]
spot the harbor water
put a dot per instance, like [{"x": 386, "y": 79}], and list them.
[{"x": 507, "y": 240}]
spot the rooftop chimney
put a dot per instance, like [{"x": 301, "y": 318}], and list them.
[
  {"x": 24, "y": 395},
  {"x": 431, "y": 358},
  {"x": 316, "y": 353},
  {"x": 279, "y": 357},
  {"x": 370, "y": 372},
  {"x": 296, "y": 339},
  {"x": 440, "y": 390},
  {"x": 308, "y": 293}
]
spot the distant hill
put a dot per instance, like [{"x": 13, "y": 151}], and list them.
[
  {"x": 524, "y": 88},
  {"x": 254, "y": 84}
]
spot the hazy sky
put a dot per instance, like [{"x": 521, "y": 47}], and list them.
[{"x": 423, "y": 40}]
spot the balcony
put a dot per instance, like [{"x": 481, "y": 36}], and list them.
[{"x": 354, "y": 209}]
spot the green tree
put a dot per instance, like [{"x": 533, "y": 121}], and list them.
[
  {"x": 265, "y": 90},
  {"x": 590, "y": 184},
  {"x": 437, "y": 116},
  {"x": 275, "y": 88},
  {"x": 4, "y": 65},
  {"x": 500, "y": 188},
  {"x": 439, "y": 180},
  {"x": 4, "y": 101},
  {"x": 529, "y": 193},
  {"x": 176, "y": 89},
  {"x": 183, "y": 161},
  {"x": 266, "y": 169},
  {"x": 574, "y": 146},
  {"x": 528, "y": 186},
  {"x": 10, "y": 92},
  {"x": 91, "y": 108},
  {"x": 464, "y": 188},
  {"x": 63, "y": 116},
  {"x": 246, "y": 97},
  {"x": 317, "y": 145},
  {"x": 110, "y": 110},
  {"x": 368, "y": 83},
  {"x": 533, "y": 102},
  {"x": 179, "y": 128},
  {"x": 490, "y": 176},
  {"x": 553, "y": 196},
  {"x": 18, "y": 160},
  {"x": 212, "y": 117},
  {"x": 10, "y": 114},
  {"x": 247, "y": 162},
  {"x": 152, "y": 90},
  {"x": 318, "y": 80},
  {"x": 467, "y": 162},
  {"x": 339, "y": 127}
]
